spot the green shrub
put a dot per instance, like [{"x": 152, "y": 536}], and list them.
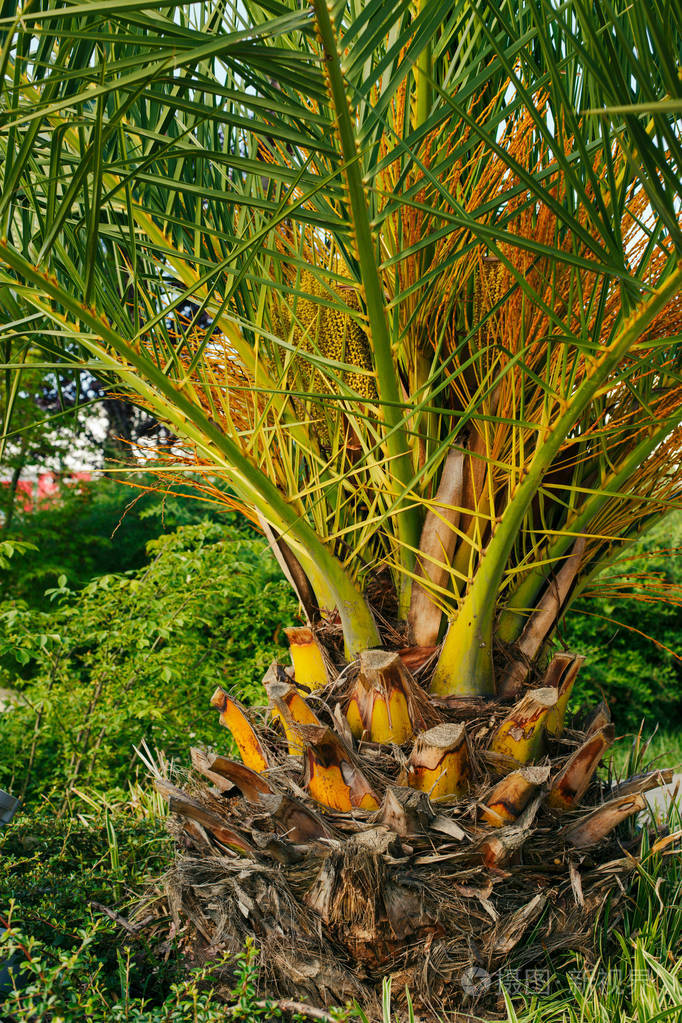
[
  {"x": 98, "y": 527},
  {"x": 631, "y": 640},
  {"x": 135, "y": 657},
  {"x": 54, "y": 867},
  {"x": 56, "y": 986}
]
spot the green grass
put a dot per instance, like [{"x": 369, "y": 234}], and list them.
[
  {"x": 638, "y": 988},
  {"x": 638, "y": 978},
  {"x": 653, "y": 747}
]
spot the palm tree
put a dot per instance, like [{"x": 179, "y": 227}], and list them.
[{"x": 406, "y": 279}]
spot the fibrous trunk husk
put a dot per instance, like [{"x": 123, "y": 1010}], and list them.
[
  {"x": 477, "y": 837},
  {"x": 542, "y": 620},
  {"x": 436, "y": 547}
]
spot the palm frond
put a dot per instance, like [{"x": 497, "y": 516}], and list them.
[{"x": 331, "y": 263}]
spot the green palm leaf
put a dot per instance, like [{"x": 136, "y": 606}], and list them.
[{"x": 486, "y": 197}]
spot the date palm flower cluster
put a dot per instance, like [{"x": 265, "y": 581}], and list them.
[{"x": 404, "y": 282}]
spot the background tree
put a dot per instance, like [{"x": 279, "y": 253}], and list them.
[
  {"x": 60, "y": 421},
  {"x": 434, "y": 255}
]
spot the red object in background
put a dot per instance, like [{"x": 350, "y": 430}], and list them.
[
  {"x": 48, "y": 485},
  {"x": 31, "y": 493},
  {"x": 24, "y": 498}
]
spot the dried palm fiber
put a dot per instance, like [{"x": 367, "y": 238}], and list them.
[{"x": 486, "y": 866}]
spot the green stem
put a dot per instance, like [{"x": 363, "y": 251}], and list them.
[
  {"x": 188, "y": 419},
  {"x": 387, "y": 378},
  {"x": 423, "y": 75},
  {"x": 467, "y": 655}
]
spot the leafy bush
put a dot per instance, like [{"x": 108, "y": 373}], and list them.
[
  {"x": 54, "y": 867},
  {"x": 98, "y": 527},
  {"x": 136, "y": 656},
  {"x": 629, "y": 638},
  {"x": 69, "y": 988},
  {"x": 59, "y": 987}
]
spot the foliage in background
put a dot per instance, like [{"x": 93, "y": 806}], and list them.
[
  {"x": 631, "y": 638},
  {"x": 32, "y": 445},
  {"x": 99, "y": 527},
  {"x": 137, "y": 656},
  {"x": 62, "y": 422}
]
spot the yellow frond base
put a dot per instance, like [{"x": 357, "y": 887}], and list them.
[
  {"x": 233, "y": 717},
  {"x": 383, "y": 705},
  {"x": 521, "y": 735},
  {"x": 440, "y": 764},
  {"x": 310, "y": 671},
  {"x": 331, "y": 776},
  {"x": 511, "y": 795}
]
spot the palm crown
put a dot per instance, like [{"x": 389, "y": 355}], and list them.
[{"x": 406, "y": 278}]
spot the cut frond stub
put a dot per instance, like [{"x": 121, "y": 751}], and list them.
[
  {"x": 521, "y": 735},
  {"x": 331, "y": 776},
  {"x": 440, "y": 763},
  {"x": 290, "y": 710},
  {"x": 385, "y": 703},
  {"x": 234, "y": 717},
  {"x": 228, "y": 775},
  {"x": 590, "y": 830},
  {"x": 572, "y": 782},
  {"x": 310, "y": 669},
  {"x": 511, "y": 795},
  {"x": 561, "y": 675}
]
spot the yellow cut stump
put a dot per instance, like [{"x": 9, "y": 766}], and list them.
[
  {"x": 331, "y": 776},
  {"x": 521, "y": 735},
  {"x": 381, "y": 705},
  {"x": 511, "y": 795},
  {"x": 440, "y": 764},
  {"x": 310, "y": 670},
  {"x": 233, "y": 716}
]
